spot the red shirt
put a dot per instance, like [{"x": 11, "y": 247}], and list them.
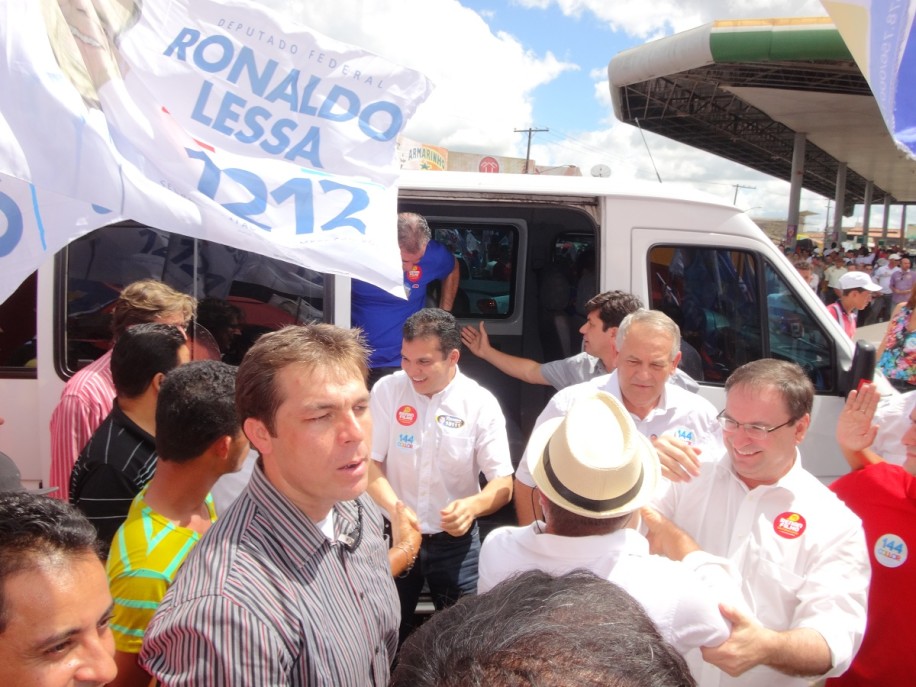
[{"x": 884, "y": 497}]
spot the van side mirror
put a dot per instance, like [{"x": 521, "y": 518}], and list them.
[{"x": 863, "y": 366}]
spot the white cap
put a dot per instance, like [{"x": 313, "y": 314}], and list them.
[{"x": 857, "y": 280}]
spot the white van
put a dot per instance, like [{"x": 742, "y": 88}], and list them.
[{"x": 531, "y": 249}]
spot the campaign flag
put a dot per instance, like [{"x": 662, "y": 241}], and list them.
[
  {"x": 216, "y": 120},
  {"x": 879, "y": 34}
]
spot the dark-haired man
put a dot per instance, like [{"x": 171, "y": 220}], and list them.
[
  {"x": 54, "y": 627},
  {"x": 544, "y": 631},
  {"x": 121, "y": 454},
  {"x": 292, "y": 585},
  {"x": 198, "y": 439},
  {"x": 435, "y": 431},
  {"x": 87, "y": 398}
]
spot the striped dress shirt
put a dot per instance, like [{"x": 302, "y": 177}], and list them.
[
  {"x": 84, "y": 403},
  {"x": 266, "y": 598}
]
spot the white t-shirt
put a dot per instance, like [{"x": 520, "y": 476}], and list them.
[{"x": 679, "y": 597}]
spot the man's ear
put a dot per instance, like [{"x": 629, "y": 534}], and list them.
[
  {"x": 801, "y": 427},
  {"x": 675, "y": 362},
  {"x": 453, "y": 356},
  {"x": 220, "y": 447},
  {"x": 258, "y": 435},
  {"x": 156, "y": 381}
]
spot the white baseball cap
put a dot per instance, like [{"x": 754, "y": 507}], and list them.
[{"x": 857, "y": 280}]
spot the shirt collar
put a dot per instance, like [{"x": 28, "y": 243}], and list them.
[
  {"x": 790, "y": 481},
  {"x": 294, "y": 531},
  {"x": 661, "y": 408}
]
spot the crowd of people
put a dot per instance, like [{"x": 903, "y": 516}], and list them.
[
  {"x": 275, "y": 523},
  {"x": 865, "y": 287}
]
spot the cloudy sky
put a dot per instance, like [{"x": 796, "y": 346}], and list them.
[{"x": 501, "y": 65}]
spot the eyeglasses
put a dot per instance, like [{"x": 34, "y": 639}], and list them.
[{"x": 756, "y": 432}]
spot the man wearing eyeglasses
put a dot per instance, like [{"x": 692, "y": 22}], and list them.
[{"x": 800, "y": 552}]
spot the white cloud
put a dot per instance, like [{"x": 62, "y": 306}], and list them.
[{"x": 484, "y": 80}]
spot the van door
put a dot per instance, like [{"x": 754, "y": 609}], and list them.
[{"x": 518, "y": 261}]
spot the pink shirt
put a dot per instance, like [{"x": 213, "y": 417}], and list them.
[
  {"x": 847, "y": 320},
  {"x": 84, "y": 403}
]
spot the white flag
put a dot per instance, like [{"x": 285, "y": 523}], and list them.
[{"x": 216, "y": 120}]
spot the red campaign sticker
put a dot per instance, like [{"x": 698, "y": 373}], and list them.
[
  {"x": 414, "y": 273},
  {"x": 789, "y": 525},
  {"x": 406, "y": 415}
]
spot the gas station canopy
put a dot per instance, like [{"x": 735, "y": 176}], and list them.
[{"x": 742, "y": 89}]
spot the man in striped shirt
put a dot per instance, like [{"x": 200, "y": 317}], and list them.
[
  {"x": 87, "y": 398},
  {"x": 292, "y": 585},
  {"x": 120, "y": 458},
  {"x": 198, "y": 439}
]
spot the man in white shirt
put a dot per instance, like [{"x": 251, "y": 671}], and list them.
[
  {"x": 681, "y": 425},
  {"x": 799, "y": 551},
  {"x": 832, "y": 274},
  {"x": 434, "y": 432},
  {"x": 881, "y": 306},
  {"x": 594, "y": 471}
]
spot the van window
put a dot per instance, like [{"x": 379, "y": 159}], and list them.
[
  {"x": 487, "y": 255},
  {"x": 241, "y": 295},
  {"x": 17, "y": 331},
  {"x": 733, "y": 308},
  {"x": 795, "y": 335}
]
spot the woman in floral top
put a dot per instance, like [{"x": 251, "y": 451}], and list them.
[{"x": 897, "y": 353}]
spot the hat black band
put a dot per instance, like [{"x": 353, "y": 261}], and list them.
[{"x": 593, "y": 505}]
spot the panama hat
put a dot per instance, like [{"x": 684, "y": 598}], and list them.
[
  {"x": 593, "y": 461},
  {"x": 11, "y": 479}
]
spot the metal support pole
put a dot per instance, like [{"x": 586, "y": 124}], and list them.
[
  {"x": 795, "y": 188},
  {"x": 887, "y": 217},
  {"x": 838, "y": 202},
  {"x": 866, "y": 210}
]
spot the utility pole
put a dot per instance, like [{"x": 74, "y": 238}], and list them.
[
  {"x": 738, "y": 186},
  {"x": 528, "y": 154}
]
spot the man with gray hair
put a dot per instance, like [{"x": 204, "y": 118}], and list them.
[
  {"x": 381, "y": 315},
  {"x": 681, "y": 425},
  {"x": 799, "y": 551},
  {"x": 592, "y": 485}
]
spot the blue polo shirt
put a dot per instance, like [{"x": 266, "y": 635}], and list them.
[{"x": 382, "y": 316}]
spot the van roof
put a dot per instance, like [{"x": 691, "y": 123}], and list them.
[{"x": 546, "y": 184}]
